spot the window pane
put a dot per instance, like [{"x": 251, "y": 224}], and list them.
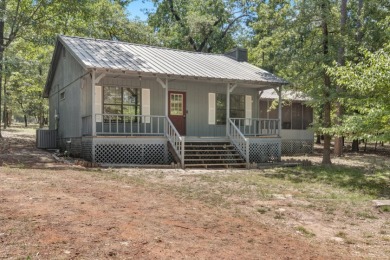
[
  {"x": 176, "y": 101},
  {"x": 131, "y": 96},
  {"x": 119, "y": 100},
  {"x": 235, "y": 113},
  {"x": 112, "y": 95},
  {"x": 263, "y": 104},
  {"x": 221, "y": 101},
  {"x": 296, "y": 116},
  {"x": 286, "y": 116},
  {"x": 274, "y": 113},
  {"x": 237, "y": 107},
  {"x": 112, "y": 109},
  {"x": 307, "y": 116},
  {"x": 220, "y": 117},
  {"x": 237, "y": 102}
]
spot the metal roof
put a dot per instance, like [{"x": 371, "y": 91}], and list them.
[
  {"x": 286, "y": 95},
  {"x": 158, "y": 61}
]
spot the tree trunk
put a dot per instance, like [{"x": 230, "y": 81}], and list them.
[
  {"x": 25, "y": 120},
  {"x": 327, "y": 138},
  {"x": 359, "y": 35},
  {"x": 2, "y": 18},
  {"x": 327, "y": 85},
  {"x": 5, "y": 117},
  {"x": 355, "y": 145},
  {"x": 338, "y": 142},
  {"x": 318, "y": 139},
  {"x": 9, "y": 122},
  {"x": 41, "y": 120},
  {"x": 41, "y": 114}
]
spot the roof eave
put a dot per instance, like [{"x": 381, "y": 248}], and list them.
[
  {"x": 54, "y": 61},
  {"x": 254, "y": 83},
  {"x": 52, "y": 69}
]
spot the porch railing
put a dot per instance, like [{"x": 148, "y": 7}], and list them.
[
  {"x": 130, "y": 125},
  {"x": 239, "y": 140},
  {"x": 176, "y": 140},
  {"x": 136, "y": 125},
  {"x": 257, "y": 126}
]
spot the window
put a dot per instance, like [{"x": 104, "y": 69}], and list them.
[
  {"x": 237, "y": 107},
  {"x": 62, "y": 95},
  {"x": 220, "y": 108},
  {"x": 176, "y": 103},
  {"x": 118, "y": 100}
]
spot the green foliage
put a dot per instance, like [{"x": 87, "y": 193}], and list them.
[
  {"x": 368, "y": 181},
  {"x": 26, "y": 74},
  {"x": 30, "y": 31},
  {"x": 289, "y": 40},
  {"x": 367, "y": 96},
  {"x": 199, "y": 25}
]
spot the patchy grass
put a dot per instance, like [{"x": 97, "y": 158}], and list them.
[
  {"x": 305, "y": 232},
  {"x": 373, "y": 182},
  {"x": 263, "y": 210},
  {"x": 315, "y": 201},
  {"x": 385, "y": 208}
]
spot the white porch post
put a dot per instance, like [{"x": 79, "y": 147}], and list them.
[
  {"x": 280, "y": 123},
  {"x": 93, "y": 104},
  {"x": 166, "y": 98},
  {"x": 165, "y": 87},
  {"x": 229, "y": 89},
  {"x": 280, "y": 110},
  {"x": 227, "y": 108},
  {"x": 93, "y": 116}
]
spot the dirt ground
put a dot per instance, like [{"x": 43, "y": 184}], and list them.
[{"x": 57, "y": 210}]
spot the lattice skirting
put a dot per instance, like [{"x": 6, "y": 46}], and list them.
[
  {"x": 267, "y": 150},
  {"x": 297, "y": 146},
  {"x": 137, "y": 151}
]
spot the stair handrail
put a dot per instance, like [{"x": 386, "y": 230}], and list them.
[
  {"x": 239, "y": 140},
  {"x": 175, "y": 139}
]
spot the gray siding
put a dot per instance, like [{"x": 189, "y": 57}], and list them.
[
  {"x": 78, "y": 99},
  {"x": 157, "y": 94},
  {"x": 196, "y": 99},
  {"x": 66, "y": 79}
]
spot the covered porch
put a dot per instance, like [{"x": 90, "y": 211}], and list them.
[{"x": 176, "y": 115}]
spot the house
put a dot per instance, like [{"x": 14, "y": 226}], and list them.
[
  {"x": 297, "y": 117},
  {"x": 119, "y": 103}
]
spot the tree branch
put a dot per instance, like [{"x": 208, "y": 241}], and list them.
[{"x": 179, "y": 20}]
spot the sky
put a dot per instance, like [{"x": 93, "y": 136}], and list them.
[{"x": 136, "y": 9}]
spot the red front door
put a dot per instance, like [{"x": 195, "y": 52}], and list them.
[{"x": 177, "y": 110}]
